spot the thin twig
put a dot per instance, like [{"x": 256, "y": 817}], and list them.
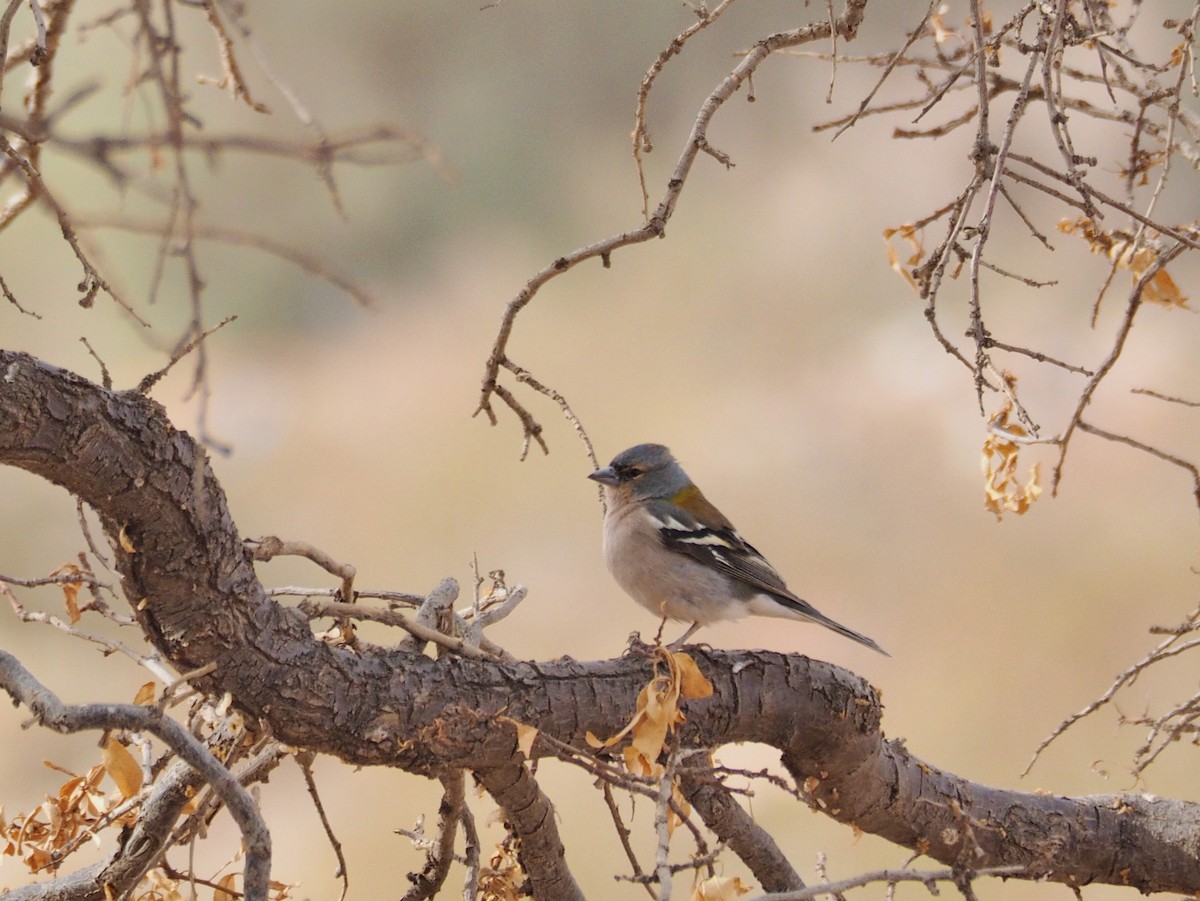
[
  {"x": 1089, "y": 390},
  {"x": 623, "y": 833},
  {"x": 5, "y": 24},
  {"x": 1165, "y": 397},
  {"x": 153, "y": 378},
  {"x": 238, "y": 238},
  {"x": 640, "y": 136},
  {"x": 152, "y": 662},
  {"x": 268, "y": 547},
  {"x": 655, "y": 224},
  {"x": 440, "y": 853},
  {"x": 470, "y": 854},
  {"x": 93, "y": 283},
  {"x": 305, "y": 761},
  {"x": 314, "y": 609},
  {"x": 928, "y": 878},
  {"x": 11, "y": 298},
  {"x": 1189, "y": 468},
  {"x": 915, "y": 35},
  {"x": 662, "y": 827},
  {"x": 1160, "y": 652}
]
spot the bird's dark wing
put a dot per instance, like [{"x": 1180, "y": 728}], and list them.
[
  {"x": 718, "y": 545},
  {"x": 696, "y": 528}
]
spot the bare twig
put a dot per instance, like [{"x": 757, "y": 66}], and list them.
[
  {"x": 105, "y": 378},
  {"x": 152, "y": 661},
  {"x": 239, "y": 238},
  {"x": 662, "y": 826},
  {"x": 471, "y": 855},
  {"x": 640, "y": 136},
  {"x": 1189, "y": 468},
  {"x": 1122, "y": 335},
  {"x": 1166, "y": 648},
  {"x": 5, "y": 24},
  {"x": 623, "y": 834},
  {"x": 11, "y": 298},
  {"x": 153, "y": 378},
  {"x": 1165, "y": 397},
  {"x": 305, "y": 760},
  {"x": 315, "y": 609},
  {"x": 269, "y": 547},
  {"x": 734, "y": 826},
  {"x": 928, "y": 878},
  {"x": 913, "y": 36},
  {"x": 93, "y": 283},
  {"x": 440, "y": 855},
  {"x": 655, "y": 225},
  {"x": 393, "y": 598}
]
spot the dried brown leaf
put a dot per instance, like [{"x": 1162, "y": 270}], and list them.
[
  {"x": 70, "y": 591},
  {"x": 226, "y": 888},
  {"x": 904, "y": 268},
  {"x": 145, "y": 694},
  {"x": 720, "y": 888},
  {"x": 693, "y": 684},
  {"x": 1137, "y": 259},
  {"x": 122, "y": 768}
]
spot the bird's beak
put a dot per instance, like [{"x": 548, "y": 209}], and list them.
[{"x": 605, "y": 476}]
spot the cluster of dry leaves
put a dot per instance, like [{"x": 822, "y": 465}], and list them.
[
  {"x": 1124, "y": 251},
  {"x": 1004, "y": 491},
  {"x": 503, "y": 878},
  {"x": 676, "y": 677},
  {"x": 44, "y": 837}
]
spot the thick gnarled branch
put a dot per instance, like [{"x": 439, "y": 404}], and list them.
[{"x": 196, "y": 595}]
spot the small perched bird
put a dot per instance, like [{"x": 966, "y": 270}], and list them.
[{"x": 676, "y": 554}]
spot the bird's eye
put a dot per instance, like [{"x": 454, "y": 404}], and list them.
[{"x": 632, "y": 472}]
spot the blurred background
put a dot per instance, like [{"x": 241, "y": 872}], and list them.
[{"x": 765, "y": 340}]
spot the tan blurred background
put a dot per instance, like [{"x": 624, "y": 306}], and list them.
[{"x": 765, "y": 340}]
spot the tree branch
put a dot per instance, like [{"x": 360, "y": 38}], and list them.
[
  {"x": 440, "y": 855},
  {"x": 748, "y": 840},
  {"x": 195, "y": 593},
  {"x": 138, "y": 853},
  {"x": 53, "y": 714},
  {"x": 655, "y": 225},
  {"x": 530, "y": 815}
]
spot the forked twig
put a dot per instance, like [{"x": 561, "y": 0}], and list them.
[{"x": 655, "y": 225}]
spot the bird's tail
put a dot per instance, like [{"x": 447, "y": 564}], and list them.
[
  {"x": 789, "y": 606},
  {"x": 850, "y": 633}
]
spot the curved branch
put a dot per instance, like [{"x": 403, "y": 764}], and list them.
[
  {"x": 54, "y": 714},
  {"x": 195, "y": 594},
  {"x": 845, "y": 26}
]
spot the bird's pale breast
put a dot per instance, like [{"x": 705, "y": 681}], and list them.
[{"x": 665, "y": 582}]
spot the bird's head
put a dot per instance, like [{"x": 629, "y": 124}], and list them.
[{"x": 645, "y": 471}]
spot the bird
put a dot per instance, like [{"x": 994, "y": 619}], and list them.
[{"x": 678, "y": 556}]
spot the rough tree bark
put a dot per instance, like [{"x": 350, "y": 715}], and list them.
[{"x": 191, "y": 583}]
